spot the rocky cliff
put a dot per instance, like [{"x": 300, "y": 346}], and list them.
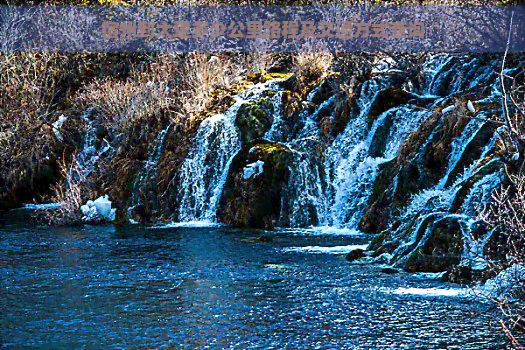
[{"x": 410, "y": 157}]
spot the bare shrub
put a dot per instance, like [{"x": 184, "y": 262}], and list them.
[
  {"x": 506, "y": 213},
  {"x": 68, "y": 193},
  {"x": 180, "y": 83},
  {"x": 27, "y": 87},
  {"x": 312, "y": 64}
]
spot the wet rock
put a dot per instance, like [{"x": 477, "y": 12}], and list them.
[
  {"x": 254, "y": 119},
  {"x": 326, "y": 90},
  {"x": 389, "y": 270},
  {"x": 255, "y": 201},
  {"x": 290, "y": 84},
  {"x": 376, "y": 217},
  {"x": 387, "y": 99},
  {"x": 458, "y": 274},
  {"x": 465, "y": 188},
  {"x": 472, "y": 151},
  {"x": 344, "y": 106},
  {"x": 467, "y": 275},
  {"x": 438, "y": 245},
  {"x": 355, "y": 254}
]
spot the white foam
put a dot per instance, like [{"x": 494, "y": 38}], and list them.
[
  {"x": 189, "y": 224},
  {"x": 44, "y": 206},
  {"x": 432, "y": 292},
  {"x": 505, "y": 283},
  {"x": 326, "y": 250},
  {"x": 430, "y": 275},
  {"x": 324, "y": 231}
]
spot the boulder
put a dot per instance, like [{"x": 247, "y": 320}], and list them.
[
  {"x": 355, "y": 254},
  {"x": 252, "y": 194},
  {"x": 387, "y": 99},
  {"x": 282, "y": 65},
  {"x": 438, "y": 245},
  {"x": 389, "y": 270},
  {"x": 254, "y": 119}
]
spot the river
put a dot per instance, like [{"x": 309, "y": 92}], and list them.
[{"x": 99, "y": 287}]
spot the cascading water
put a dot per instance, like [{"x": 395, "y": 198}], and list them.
[
  {"x": 302, "y": 198},
  {"x": 147, "y": 171},
  {"x": 349, "y": 170},
  {"x": 204, "y": 172},
  {"x": 438, "y": 201},
  {"x": 92, "y": 149},
  {"x": 330, "y": 184}
]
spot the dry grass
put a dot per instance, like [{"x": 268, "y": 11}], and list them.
[
  {"x": 27, "y": 87},
  {"x": 180, "y": 83},
  {"x": 69, "y": 193},
  {"x": 312, "y": 64}
]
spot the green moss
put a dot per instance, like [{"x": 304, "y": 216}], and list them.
[
  {"x": 263, "y": 77},
  {"x": 271, "y": 76},
  {"x": 272, "y": 147},
  {"x": 264, "y": 151},
  {"x": 254, "y": 118},
  {"x": 242, "y": 86}
]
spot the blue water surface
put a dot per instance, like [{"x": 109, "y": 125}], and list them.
[{"x": 99, "y": 287}]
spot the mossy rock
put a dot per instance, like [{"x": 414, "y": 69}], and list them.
[
  {"x": 263, "y": 77},
  {"x": 439, "y": 246},
  {"x": 377, "y": 215},
  {"x": 345, "y": 105},
  {"x": 254, "y": 201},
  {"x": 254, "y": 119},
  {"x": 275, "y": 75}
]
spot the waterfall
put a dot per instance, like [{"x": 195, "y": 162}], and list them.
[
  {"x": 331, "y": 181},
  {"x": 92, "y": 149},
  {"x": 147, "y": 172},
  {"x": 206, "y": 168},
  {"x": 204, "y": 171},
  {"x": 302, "y": 200}
]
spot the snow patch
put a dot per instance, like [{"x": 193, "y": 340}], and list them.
[
  {"x": 100, "y": 208},
  {"x": 448, "y": 109},
  {"x": 58, "y": 125},
  {"x": 253, "y": 169},
  {"x": 470, "y": 106}
]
